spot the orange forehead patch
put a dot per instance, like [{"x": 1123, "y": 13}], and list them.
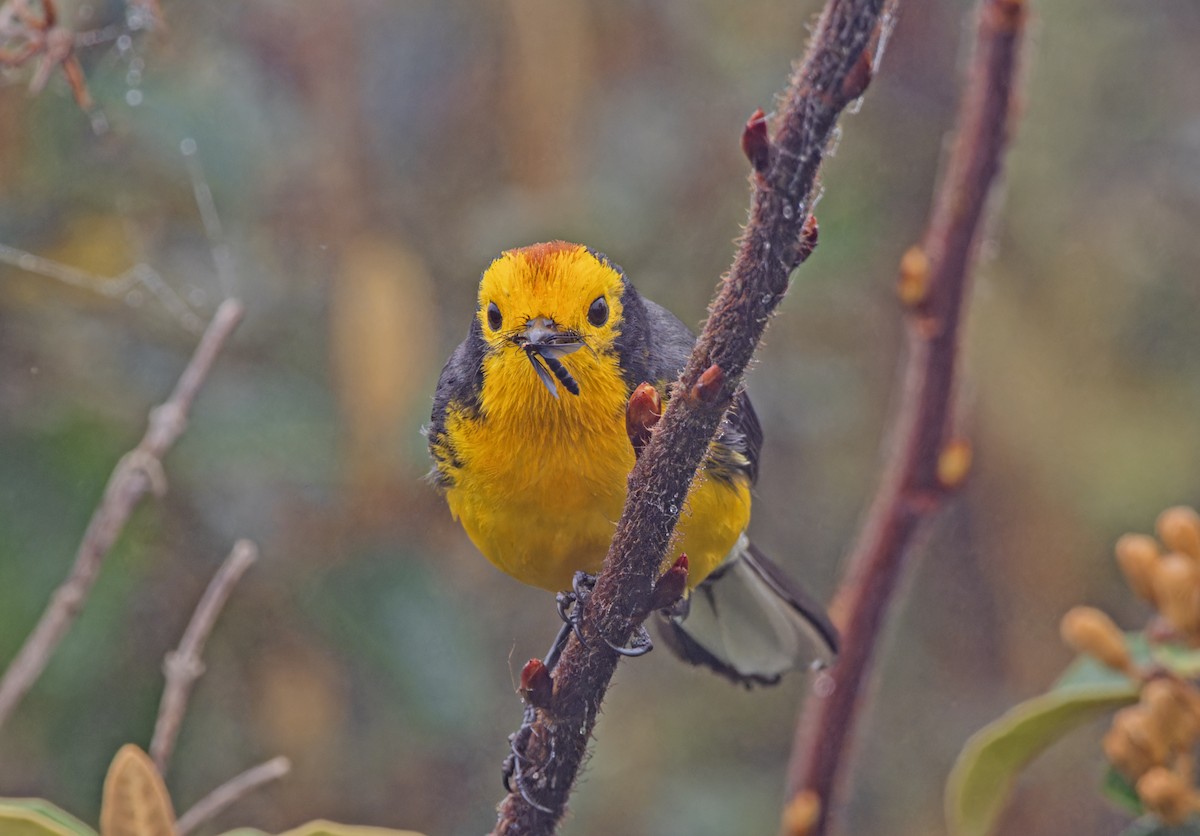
[{"x": 536, "y": 255}]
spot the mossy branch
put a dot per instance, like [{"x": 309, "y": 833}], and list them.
[{"x": 836, "y": 70}]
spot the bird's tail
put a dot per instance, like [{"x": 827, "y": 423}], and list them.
[{"x": 750, "y": 622}]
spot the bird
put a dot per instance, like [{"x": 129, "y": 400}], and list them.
[{"x": 530, "y": 449}]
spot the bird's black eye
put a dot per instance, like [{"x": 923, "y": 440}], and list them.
[
  {"x": 494, "y": 318},
  {"x": 598, "y": 312}
]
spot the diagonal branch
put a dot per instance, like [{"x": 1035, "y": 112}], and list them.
[
  {"x": 183, "y": 666},
  {"x": 836, "y": 70},
  {"x": 138, "y": 472},
  {"x": 232, "y": 790},
  {"x": 928, "y": 461}
]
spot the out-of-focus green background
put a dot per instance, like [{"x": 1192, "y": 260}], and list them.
[{"x": 367, "y": 160}]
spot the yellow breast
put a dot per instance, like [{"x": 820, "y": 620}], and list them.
[{"x": 542, "y": 479}]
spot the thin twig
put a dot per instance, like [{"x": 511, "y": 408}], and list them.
[
  {"x": 231, "y": 791},
  {"x": 928, "y": 460},
  {"x": 836, "y": 70},
  {"x": 138, "y": 472},
  {"x": 183, "y": 666}
]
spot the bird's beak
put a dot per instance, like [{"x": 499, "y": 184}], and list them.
[{"x": 544, "y": 343}]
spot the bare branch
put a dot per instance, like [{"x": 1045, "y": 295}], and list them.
[
  {"x": 231, "y": 791},
  {"x": 138, "y": 472},
  {"x": 836, "y": 70},
  {"x": 183, "y": 666},
  {"x": 928, "y": 461}
]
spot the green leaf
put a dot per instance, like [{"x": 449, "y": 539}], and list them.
[
  {"x": 1152, "y": 826},
  {"x": 1087, "y": 671},
  {"x": 982, "y": 776},
  {"x": 38, "y": 817},
  {"x": 1119, "y": 791},
  {"x": 328, "y": 828},
  {"x": 1184, "y": 661}
]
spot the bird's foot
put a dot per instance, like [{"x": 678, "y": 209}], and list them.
[
  {"x": 519, "y": 773},
  {"x": 570, "y": 609}
]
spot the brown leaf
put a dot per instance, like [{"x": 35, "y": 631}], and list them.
[{"x": 135, "y": 801}]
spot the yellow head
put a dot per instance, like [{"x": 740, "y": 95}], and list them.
[{"x": 551, "y": 311}]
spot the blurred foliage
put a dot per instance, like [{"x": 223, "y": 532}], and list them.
[
  {"x": 367, "y": 160},
  {"x": 1150, "y": 676},
  {"x": 136, "y": 803}
]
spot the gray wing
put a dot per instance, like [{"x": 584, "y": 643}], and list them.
[
  {"x": 658, "y": 347},
  {"x": 460, "y": 384}
]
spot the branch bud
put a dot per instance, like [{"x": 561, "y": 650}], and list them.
[
  {"x": 1166, "y": 794},
  {"x": 808, "y": 239},
  {"x": 641, "y": 414},
  {"x": 954, "y": 463},
  {"x": 1137, "y": 555},
  {"x": 1179, "y": 530},
  {"x": 537, "y": 687},
  {"x": 756, "y": 145},
  {"x": 1088, "y": 630},
  {"x": 1127, "y": 757},
  {"x": 1173, "y": 712},
  {"x": 708, "y": 385},
  {"x": 1144, "y": 734},
  {"x": 913, "y": 285},
  {"x": 856, "y": 81},
  {"x": 1177, "y": 591},
  {"x": 801, "y": 814},
  {"x": 670, "y": 587}
]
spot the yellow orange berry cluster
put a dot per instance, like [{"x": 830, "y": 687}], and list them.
[{"x": 1152, "y": 741}]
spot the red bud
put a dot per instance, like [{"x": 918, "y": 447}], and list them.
[
  {"x": 808, "y": 239},
  {"x": 670, "y": 587},
  {"x": 860, "y": 75},
  {"x": 641, "y": 414},
  {"x": 536, "y": 685},
  {"x": 708, "y": 385},
  {"x": 756, "y": 145}
]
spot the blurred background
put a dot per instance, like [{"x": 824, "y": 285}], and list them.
[{"x": 367, "y": 160}]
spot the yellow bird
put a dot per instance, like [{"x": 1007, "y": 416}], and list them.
[{"x": 530, "y": 446}]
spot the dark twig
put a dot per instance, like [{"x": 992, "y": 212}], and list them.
[
  {"x": 138, "y": 472},
  {"x": 229, "y": 792},
  {"x": 928, "y": 461},
  {"x": 183, "y": 666},
  {"x": 836, "y": 70}
]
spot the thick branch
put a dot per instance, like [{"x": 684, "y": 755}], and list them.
[
  {"x": 229, "y": 792},
  {"x": 137, "y": 472},
  {"x": 183, "y": 666},
  {"x": 836, "y": 70},
  {"x": 927, "y": 461}
]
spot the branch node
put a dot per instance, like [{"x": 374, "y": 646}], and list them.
[
  {"x": 176, "y": 664},
  {"x": 1006, "y": 16},
  {"x": 140, "y": 460}
]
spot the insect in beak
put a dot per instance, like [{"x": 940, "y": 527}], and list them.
[{"x": 544, "y": 343}]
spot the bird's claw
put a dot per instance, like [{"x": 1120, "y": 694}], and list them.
[
  {"x": 514, "y": 770},
  {"x": 570, "y": 610}
]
